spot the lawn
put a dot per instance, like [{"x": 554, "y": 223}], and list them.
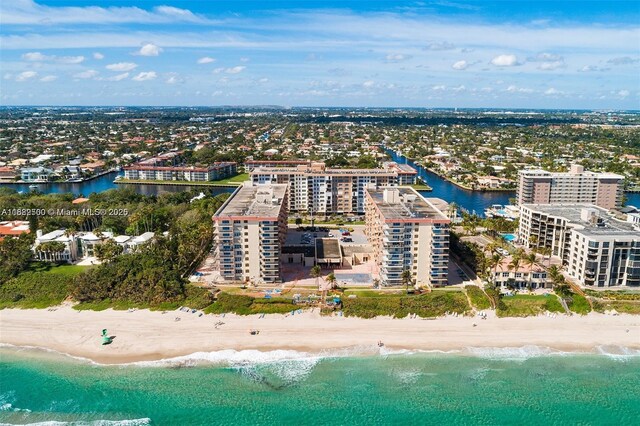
[
  {"x": 41, "y": 286},
  {"x": 239, "y": 178},
  {"x": 621, "y": 306},
  {"x": 247, "y": 305},
  {"x": 522, "y": 305},
  {"x": 478, "y": 299}
]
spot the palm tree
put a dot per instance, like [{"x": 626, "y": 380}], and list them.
[
  {"x": 315, "y": 272},
  {"x": 493, "y": 263},
  {"x": 546, "y": 252},
  {"x": 331, "y": 279},
  {"x": 515, "y": 263},
  {"x": 407, "y": 278},
  {"x": 530, "y": 259}
]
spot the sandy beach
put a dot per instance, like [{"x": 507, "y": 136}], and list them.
[{"x": 143, "y": 335}]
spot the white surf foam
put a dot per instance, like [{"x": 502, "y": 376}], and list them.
[
  {"x": 126, "y": 422},
  {"x": 520, "y": 353}
]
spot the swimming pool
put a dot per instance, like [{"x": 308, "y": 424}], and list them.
[{"x": 510, "y": 237}]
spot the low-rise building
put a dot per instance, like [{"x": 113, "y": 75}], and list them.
[
  {"x": 407, "y": 232},
  {"x": 214, "y": 172},
  {"x": 525, "y": 276},
  {"x": 13, "y": 228},
  {"x": 35, "y": 174},
  {"x": 68, "y": 243},
  {"x": 250, "y": 229},
  {"x": 597, "y": 249}
]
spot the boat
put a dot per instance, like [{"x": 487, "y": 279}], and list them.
[{"x": 33, "y": 187}]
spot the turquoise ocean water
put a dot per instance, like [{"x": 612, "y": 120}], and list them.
[{"x": 524, "y": 386}]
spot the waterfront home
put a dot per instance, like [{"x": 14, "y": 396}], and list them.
[
  {"x": 35, "y": 174},
  {"x": 13, "y": 228},
  {"x": 521, "y": 276},
  {"x": 68, "y": 246},
  {"x": 8, "y": 174}
]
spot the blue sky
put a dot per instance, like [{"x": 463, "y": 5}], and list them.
[{"x": 510, "y": 54}]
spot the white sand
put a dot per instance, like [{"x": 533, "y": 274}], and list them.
[{"x": 144, "y": 335}]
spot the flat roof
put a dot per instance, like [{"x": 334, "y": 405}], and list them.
[
  {"x": 327, "y": 171},
  {"x": 572, "y": 213},
  {"x": 254, "y": 202},
  {"x": 328, "y": 248},
  {"x": 411, "y": 206}
]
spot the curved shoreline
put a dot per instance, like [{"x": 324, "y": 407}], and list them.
[{"x": 151, "y": 336}]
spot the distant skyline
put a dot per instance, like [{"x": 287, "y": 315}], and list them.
[{"x": 493, "y": 54}]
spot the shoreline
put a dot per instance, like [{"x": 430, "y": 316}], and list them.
[{"x": 146, "y": 336}]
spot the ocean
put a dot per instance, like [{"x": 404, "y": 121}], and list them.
[{"x": 477, "y": 387}]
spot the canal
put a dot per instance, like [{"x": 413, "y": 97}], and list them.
[{"x": 473, "y": 201}]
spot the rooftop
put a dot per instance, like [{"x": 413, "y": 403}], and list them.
[
  {"x": 260, "y": 201},
  {"x": 587, "y": 219},
  {"x": 401, "y": 203}
]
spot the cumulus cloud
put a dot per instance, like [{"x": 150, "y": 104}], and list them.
[
  {"x": 460, "y": 65},
  {"x": 173, "y": 78},
  {"x": 623, "y": 93},
  {"x": 98, "y": 55},
  {"x": 551, "y": 91},
  {"x": 396, "y": 57},
  {"x": 48, "y": 78},
  {"x": 122, "y": 66},
  {"x": 149, "y": 49},
  {"x": 505, "y": 61},
  {"x": 86, "y": 74},
  {"x": 39, "y": 57},
  {"x": 548, "y": 61},
  {"x": 550, "y": 66},
  {"x": 26, "y": 75},
  {"x": 119, "y": 77},
  {"x": 145, "y": 76},
  {"x": 206, "y": 60},
  {"x": 515, "y": 89},
  {"x": 438, "y": 87},
  {"x": 368, "y": 84},
  {"x": 233, "y": 70},
  {"x": 623, "y": 60}
]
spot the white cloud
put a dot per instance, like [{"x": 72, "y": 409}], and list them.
[
  {"x": 122, "y": 66},
  {"x": 263, "y": 80},
  {"x": 460, "y": 88},
  {"x": 438, "y": 87},
  {"x": 48, "y": 78},
  {"x": 149, "y": 49},
  {"x": 29, "y": 12},
  {"x": 460, "y": 65},
  {"x": 86, "y": 74},
  {"x": 145, "y": 76},
  {"x": 119, "y": 77},
  {"x": 34, "y": 57},
  {"x": 623, "y": 93},
  {"x": 505, "y": 61},
  {"x": 592, "y": 68},
  {"x": 551, "y": 91},
  {"x": 173, "y": 78},
  {"x": 442, "y": 45},
  {"x": 206, "y": 60},
  {"x": 397, "y": 57},
  {"x": 550, "y": 66},
  {"x": 39, "y": 57},
  {"x": 98, "y": 55},
  {"x": 368, "y": 84},
  {"x": 26, "y": 75},
  {"x": 235, "y": 70},
  {"x": 515, "y": 89},
  {"x": 69, "y": 59}
]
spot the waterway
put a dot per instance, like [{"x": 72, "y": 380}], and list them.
[
  {"x": 472, "y": 201},
  {"x": 105, "y": 182}
]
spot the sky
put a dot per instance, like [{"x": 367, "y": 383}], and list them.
[{"x": 466, "y": 54}]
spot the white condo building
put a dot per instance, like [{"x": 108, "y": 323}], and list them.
[
  {"x": 576, "y": 186},
  {"x": 250, "y": 228},
  {"x": 407, "y": 232},
  {"x": 596, "y": 249},
  {"x": 315, "y": 188}
]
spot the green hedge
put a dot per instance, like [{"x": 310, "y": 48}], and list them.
[
  {"x": 247, "y": 305},
  {"x": 477, "y": 297}
]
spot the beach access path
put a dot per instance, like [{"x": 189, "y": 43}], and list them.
[{"x": 142, "y": 335}]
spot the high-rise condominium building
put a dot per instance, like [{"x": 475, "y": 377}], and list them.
[
  {"x": 250, "y": 228},
  {"x": 407, "y": 233},
  {"x": 321, "y": 190},
  {"x": 577, "y": 186},
  {"x": 597, "y": 249}
]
